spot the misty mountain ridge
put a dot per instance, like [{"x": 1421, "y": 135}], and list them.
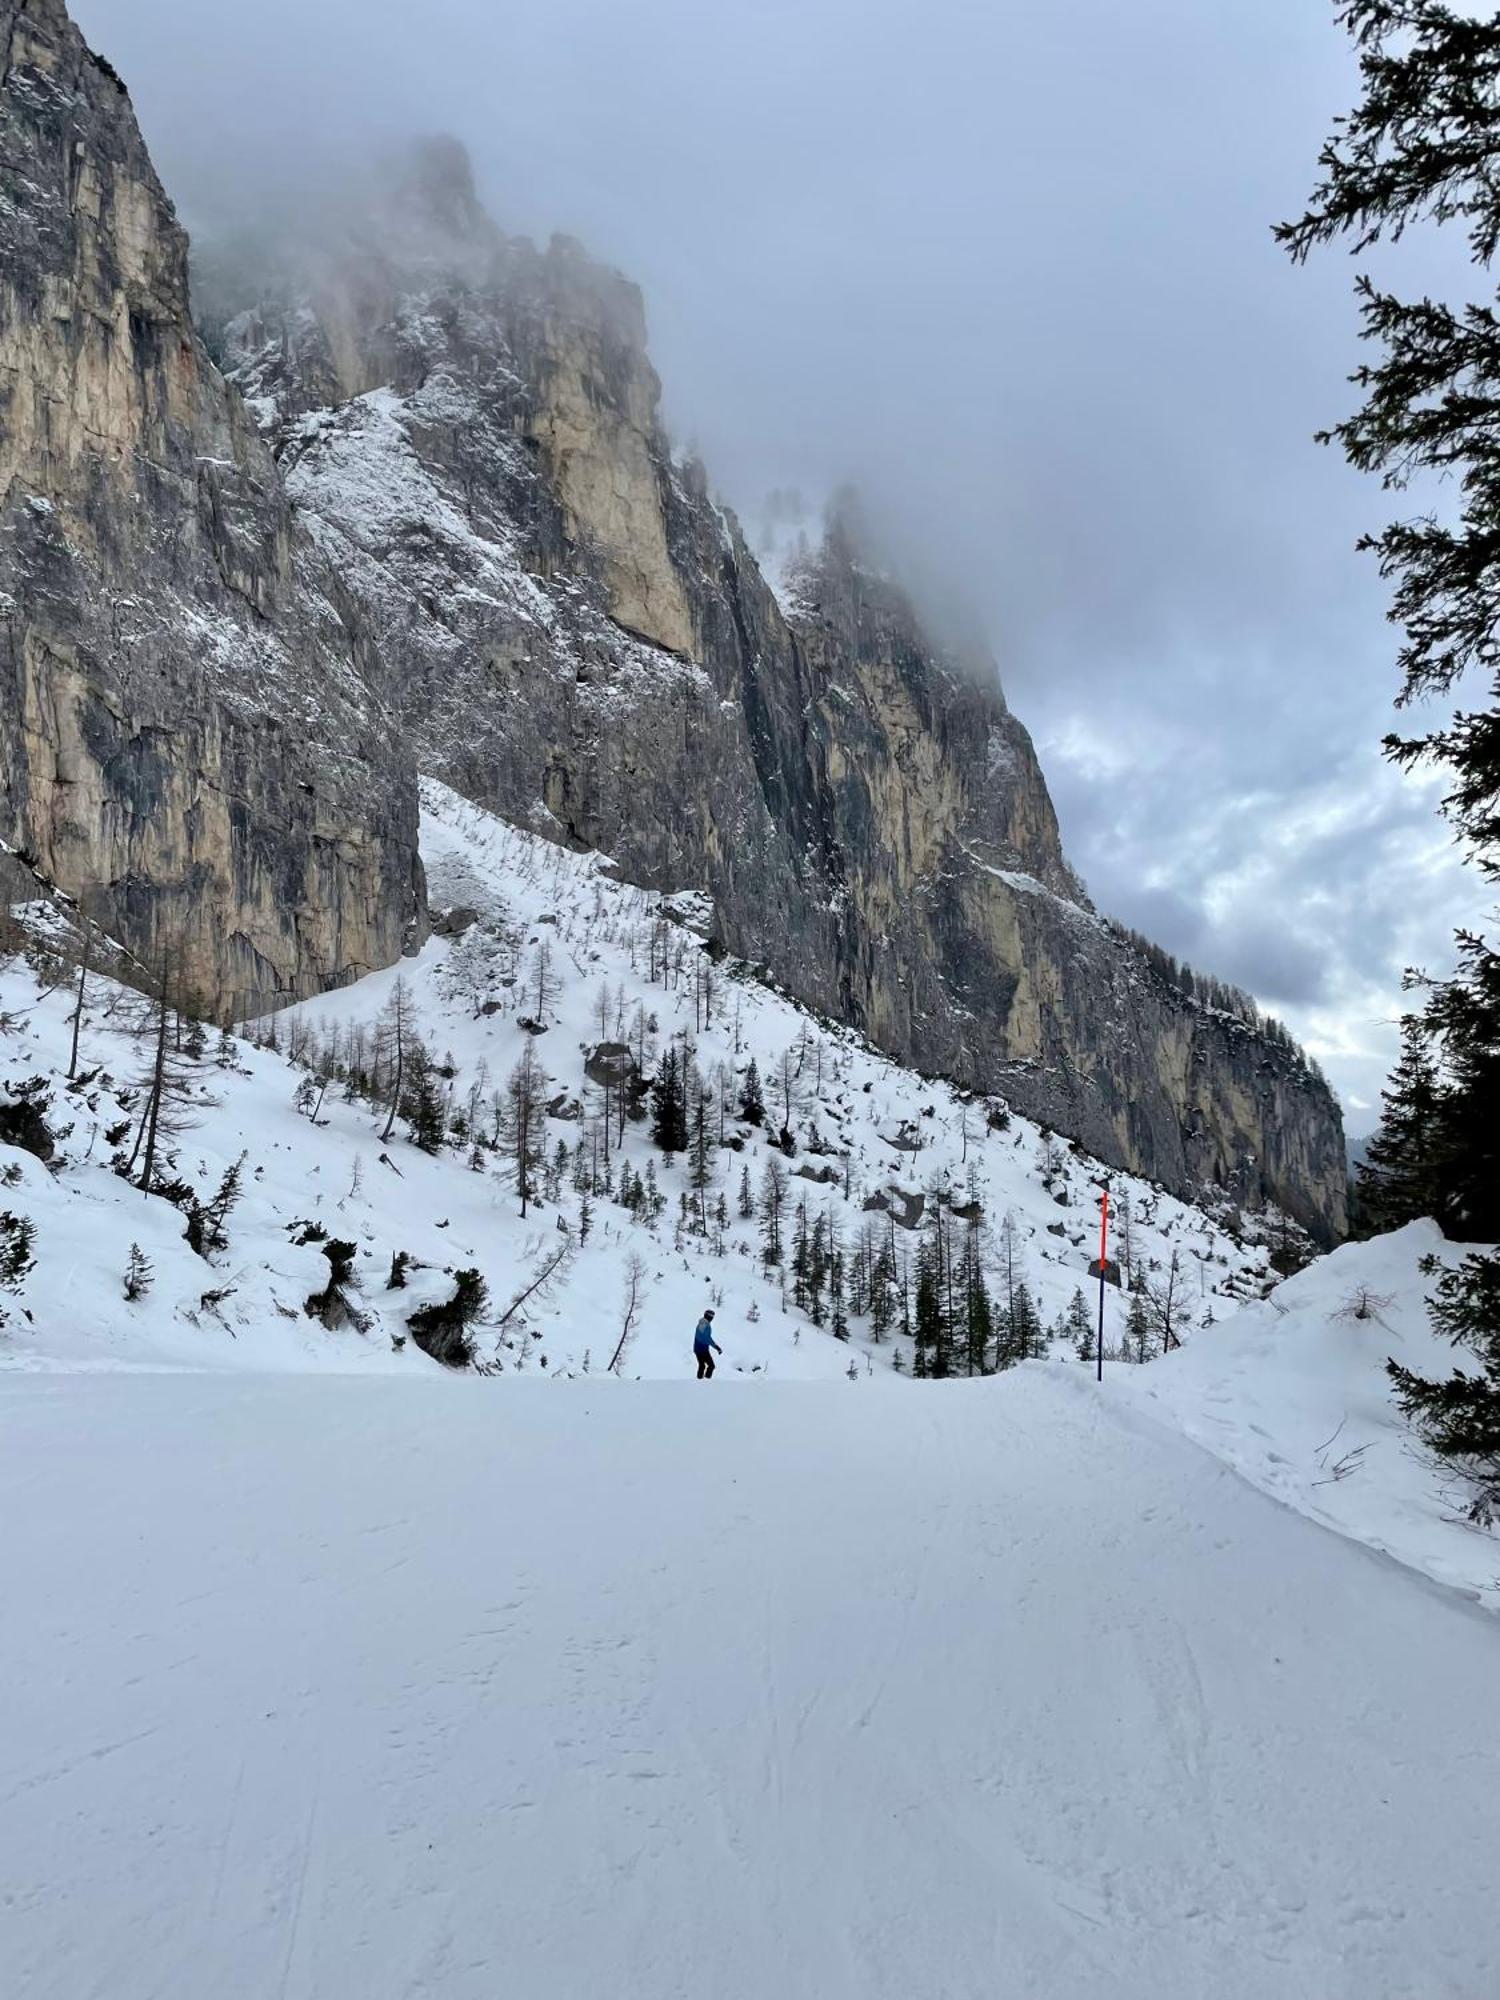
[{"x": 462, "y": 473}]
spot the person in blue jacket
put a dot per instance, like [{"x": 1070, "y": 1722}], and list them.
[{"x": 705, "y": 1347}]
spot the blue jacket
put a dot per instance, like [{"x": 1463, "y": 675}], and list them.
[{"x": 703, "y": 1339}]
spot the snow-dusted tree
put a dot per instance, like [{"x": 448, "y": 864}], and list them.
[
  {"x": 838, "y": 1316},
  {"x": 524, "y": 1120},
  {"x": 635, "y": 1292},
  {"x": 747, "y": 1195},
  {"x": 422, "y": 1103},
  {"x": 788, "y": 1085},
  {"x": 669, "y": 1117},
  {"x": 1078, "y": 1326},
  {"x": 1139, "y": 1338},
  {"x": 974, "y": 1298},
  {"x": 85, "y": 956},
  {"x": 752, "y": 1102},
  {"x": 1167, "y": 1300},
  {"x": 883, "y": 1300},
  {"x": 542, "y": 984},
  {"x": 700, "y": 1160},
  {"x": 17, "y": 1245},
  {"x": 772, "y": 1210},
  {"x": 1009, "y": 1347},
  {"x": 392, "y": 1036},
  {"x": 930, "y": 1356},
  {"x": 208, "y": 1222},
  {"x": 138, "y": 1274},
  {"x": 167, "y": 1084}
]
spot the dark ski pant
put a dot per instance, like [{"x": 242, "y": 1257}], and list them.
[{"x": 705, "y": 1363}]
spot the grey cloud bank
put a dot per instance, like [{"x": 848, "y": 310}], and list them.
[{"x": 1010, "y": 270}]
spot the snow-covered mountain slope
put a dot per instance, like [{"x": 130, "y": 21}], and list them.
[
  {"x": 321, "y": 1688},
  {"x": 575, "y": 634},
  {"x": 1292, "y": 1391},
  {"x": 525, "y": 910}
]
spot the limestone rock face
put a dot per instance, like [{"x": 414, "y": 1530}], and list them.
[
  {"x": 578, "y": 637},
  {"x": 187, "y": 731}
]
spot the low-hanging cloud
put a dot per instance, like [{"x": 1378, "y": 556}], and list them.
[{"x": 1009, "y": 269}]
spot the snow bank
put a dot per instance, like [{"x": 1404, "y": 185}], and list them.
[{"x": 1293, "y": 1393}]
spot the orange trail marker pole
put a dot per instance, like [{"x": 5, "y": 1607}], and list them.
[{"x": 1103, "y": 1248}]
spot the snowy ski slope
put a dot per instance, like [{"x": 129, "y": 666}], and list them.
[{"x": 461, "y": 1689}]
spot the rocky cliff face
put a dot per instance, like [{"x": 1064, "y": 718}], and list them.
[
  {"x": 187, "y": 728},
  {"x": 578, "y": 636}
]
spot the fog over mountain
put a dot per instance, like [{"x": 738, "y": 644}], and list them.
[{"x": 1011, "y": 272}]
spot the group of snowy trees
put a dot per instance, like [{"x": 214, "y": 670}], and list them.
[
  {"x": 1423, "y": 146},
  {"x": 1218, "y": 994}
]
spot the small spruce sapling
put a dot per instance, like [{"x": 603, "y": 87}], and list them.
[{"x": 138, "y": 1274}]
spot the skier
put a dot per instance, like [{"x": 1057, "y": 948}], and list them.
[{"x": 705, "y": 1347}]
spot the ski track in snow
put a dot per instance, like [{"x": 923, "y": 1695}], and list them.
[{"x": 396, "y": 1687}]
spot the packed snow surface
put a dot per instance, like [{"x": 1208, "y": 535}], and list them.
[{"x": 368, "y": 1686}]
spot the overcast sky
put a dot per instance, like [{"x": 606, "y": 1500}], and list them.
[{"x": 1009, "y": 268}]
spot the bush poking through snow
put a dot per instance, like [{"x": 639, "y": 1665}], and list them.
[
  {"x": 332, "y": 1305},
  {"x": 17, "y": 1242},
  {"x": 1365, "y": 1303},
  {"x": 22, "y": 1123},
  {"x": 442, "y": 1330}
]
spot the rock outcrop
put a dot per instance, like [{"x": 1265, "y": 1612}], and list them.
[
  {"x": 188, "y": 729},
  {"x": 577, "y": 635}
]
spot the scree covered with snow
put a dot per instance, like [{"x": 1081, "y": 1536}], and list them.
[{"x": 334, "y": 1671}]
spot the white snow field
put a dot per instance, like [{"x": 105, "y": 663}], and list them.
[{"x": 430, "y": 1687}]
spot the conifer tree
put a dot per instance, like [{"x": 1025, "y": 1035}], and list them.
[
  {"x": 927, "y": 1357},
  {"x": 669, "y": 1124},
  {"x": 752, "y": 1100},
  {"x": 1398, "y": 1178},
  {"x": 772, "y": 1208},
  {"x": 747, "y": 1196},
  {"x": 138, "y": 1274},
  {"x": 700, "y": 1161},
  {"x": 17, "y": 1243},
  {"x": 1423, "y": 146},
  {"x": 421, "y": 1100},
  {"x": 1138, "y": 1334},
  {"x": 1028, "y": 1336},
  {"x": 1078, "y": 1326},
  {"x": 207, "y": 1229},
  {"x": 838, "y": 1316},
  {"x": 882, "y": 1292}
]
